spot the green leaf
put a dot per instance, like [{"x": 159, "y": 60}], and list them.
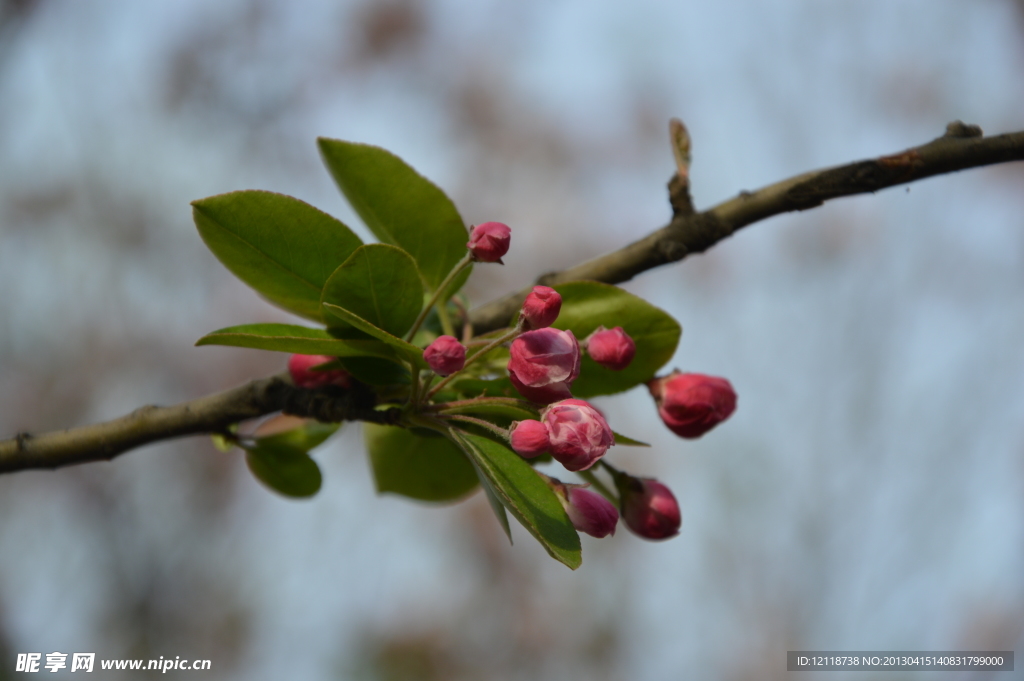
[
  {"x": 400, "y": 207},
  {"x": 300, "y": 340},
  {"x": 475, "y": 387},
  {"x": 526, "y": 496},
  {"x": 406, "y": 351},
  {"x": 380, "y": 284},
  {"x": 303, "y": 438},
  {"x": 424, "y": 468},
  {"x": 589, "y": 304},
  {"x": 285, "y": 469},
  {"x": 280, "y": 246},
  {"x": 376, "y": 371},
  {"x": 508, "y": 410},
  {"x": 621, "y": 439},
  {"x": 495, "y": 502}
]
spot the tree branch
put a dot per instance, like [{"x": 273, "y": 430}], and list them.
[
  {"x": 961, "y": 147},
  {"x": 206, "y": 415}
]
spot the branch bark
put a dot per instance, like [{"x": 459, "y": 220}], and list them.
[
  {"x": 206, "y": 415},
  {"x": 961, "y": 147}
]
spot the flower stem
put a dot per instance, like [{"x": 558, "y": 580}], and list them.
[
  {"x": 590, "y": 477},
  {"x": 414, "y": 392},
  {"x": 446, "y": 322},
  {"x": 483, "y": 401},
  {"x": 459, "y": 266},
  {"x": 478, "y": 422}
]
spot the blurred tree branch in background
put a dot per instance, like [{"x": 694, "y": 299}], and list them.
[{"x": 961, "y": 147}]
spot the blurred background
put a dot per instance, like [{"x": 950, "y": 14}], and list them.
[{"x": 867, "y": 494}]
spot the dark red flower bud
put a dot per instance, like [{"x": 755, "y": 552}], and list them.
[
  {"x": 543, "y": 364},
  {"x": 301, "y": 369},
  {"x": 649, "y": 508},
  {"x": 578, "y": 434},
  {"x": 692, "y": 404},
  {"x": 489, "y": 241},
  {"x": 590, "y": 512},
  {"x": 446, "y": 355},
  {"x": 541, "y": 308},
  {"x": 611, "y": 348},
  {"x": 530, "y": 438}
]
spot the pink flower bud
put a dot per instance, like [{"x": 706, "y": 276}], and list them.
[
  {"x": 445, "y": 355},
  {"x": 611, "y": 348},
  {"x": 591, "y": 513},
  {"x": 489, "y": 241},
  {"x": 541, "y": 308},
  {"x": 578, "y": 433},
  {"x": 649, "y": 508},
  {"x": 544, "y": 363},
  {"x": 530, "y": 438},
  {"x": 692, "y": 404},
  {"x": 300, "y": 367}
]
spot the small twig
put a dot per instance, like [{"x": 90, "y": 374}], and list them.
[{"x": 679, "y": 184}]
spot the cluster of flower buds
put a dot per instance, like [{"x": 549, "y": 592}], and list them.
[
  {"x": 543, "y": 364},
  {"x": 304, "y": 374},
  {"x": 545, "y": 361},
  {"x": 572, "y": 431}
]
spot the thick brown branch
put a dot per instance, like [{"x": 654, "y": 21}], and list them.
[
  {"x": 961, "y": 147},
  {"x": 210, "y": 414}
]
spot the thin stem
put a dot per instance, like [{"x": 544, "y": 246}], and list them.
[
  {"x": 459, "y": 266},
  {"x": 414, "y": 393},
  {"x": 615, "y": 472},
  {"x": 477, "y": 422},
  {"x": 446, "y": 322},
  {"x": 478, "y": 401},
  {"x": 467, "y": 328},
  {"x": 421, "y": 421},
  {"x": 590, "y": 477},
  {"x": 487, "y": 348}
]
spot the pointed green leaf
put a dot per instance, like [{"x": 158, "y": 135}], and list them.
[
  {"x": 285, "y": 469},
  {"x": 527, "y": 497},
  {"x": 424, "y": 468},
  {"x": 589, "y": 304},
  {"x": 406, "y": 351},
  {"x": 400, "y": 207},
  {"x": 515, "y": 410},
  {"x": 621, "y": 439},
  {"x": 280, "y": 246},
  {"x": 380, "y": 284},
  {"x": 495, "y": 503},
  {"x": 300, "y": 340}
]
